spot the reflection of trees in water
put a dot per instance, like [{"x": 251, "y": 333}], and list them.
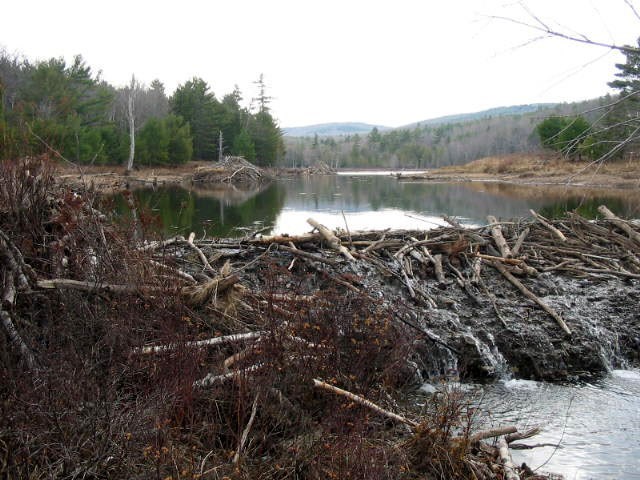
[
  {"x": 470, "y": 200},
  {"x": 219, "y": 212},
  {"x": 587, "y": 207},
  {"x": 213, "y": 212}
]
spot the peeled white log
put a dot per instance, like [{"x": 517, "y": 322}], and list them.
[
  {"x": 209, "y": 342},
  {"x": 550, "y": 227},
  {"x": 618, "y": 222},
  {"x": 364, "y": 402},
  {"x": 329, "y": 236},
  {"x": 496, "y": 233},
  {"x": 510, "y": 470}
]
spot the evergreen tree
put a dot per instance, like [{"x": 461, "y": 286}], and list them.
[
  {"x": 243, "y": 146},
  {"x": 623, "y": 121},
  {"x": 198, "y": 106}
]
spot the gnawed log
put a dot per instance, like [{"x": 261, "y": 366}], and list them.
[
  {"x": 531, "y": 296},
  {"x": 558, "y": 234},
  {"x": 364, "y": 402},
  {"x": 621, "y": 224},
  {"x": 332, "y": 240},
  {"x": 498, "y": 238}
]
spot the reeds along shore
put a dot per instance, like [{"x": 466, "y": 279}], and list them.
[{"x": 259, "y": 357}]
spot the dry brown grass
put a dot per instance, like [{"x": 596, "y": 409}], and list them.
[{"x": 546, "y": 165}]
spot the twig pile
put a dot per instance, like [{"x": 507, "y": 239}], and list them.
[{"x": 231, "y": 170}]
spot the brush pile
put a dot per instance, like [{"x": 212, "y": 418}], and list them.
[
  {"x": 231, "y": 170},
  {"x": 125, "y": 356}
]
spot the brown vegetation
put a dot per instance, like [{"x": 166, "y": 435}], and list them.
[
  {"x": 545, "y": 168},
  {"x": 81, "y": 398}
]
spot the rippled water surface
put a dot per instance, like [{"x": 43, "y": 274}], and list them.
[{"x": 596, "y": 425}]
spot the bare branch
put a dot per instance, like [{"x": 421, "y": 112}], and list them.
[{"x": 541, "y": 27}]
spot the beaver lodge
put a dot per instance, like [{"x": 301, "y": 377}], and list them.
[{"x": 128, "y": 356}]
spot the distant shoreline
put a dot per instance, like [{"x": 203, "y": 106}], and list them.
[{"x": 519, "y": 169}]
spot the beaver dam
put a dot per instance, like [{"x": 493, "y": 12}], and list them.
[{"x": 130, "y": 356}]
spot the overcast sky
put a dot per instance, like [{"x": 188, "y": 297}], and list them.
[{"x": 388, "y": 62}]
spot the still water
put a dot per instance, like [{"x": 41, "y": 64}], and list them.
[{"x": 368, "y": 202}]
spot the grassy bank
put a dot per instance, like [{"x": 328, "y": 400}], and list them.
[{"x": 546, "y": 168}]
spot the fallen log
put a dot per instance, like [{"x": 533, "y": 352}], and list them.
[
  {"x": 510, "y": 470},
  {"x": 17, "y": 340},
  {"x": 209, "y": 342}
]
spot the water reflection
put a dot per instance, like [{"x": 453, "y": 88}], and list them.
[{"x": 368, "y": 202}]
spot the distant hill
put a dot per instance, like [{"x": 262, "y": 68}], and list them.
[
  {"x": 337, "y": 129},
  {"x": 331, "y": 129},
  {"x": 492, "y": 112}
]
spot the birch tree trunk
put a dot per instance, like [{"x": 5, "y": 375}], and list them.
[{"x": 132, "y": 122}]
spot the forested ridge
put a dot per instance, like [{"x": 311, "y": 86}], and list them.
[
  {"x": 452, "y": 140},
  {"x": 69, "y": 110}
]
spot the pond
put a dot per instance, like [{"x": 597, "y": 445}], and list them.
[{"x": 367, "y": 201}]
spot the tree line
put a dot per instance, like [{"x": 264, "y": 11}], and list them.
[
  {"x": 431, "y": 145},
  {"x": 599, "y": 129},
  {"x": 68, "y": 109}
]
